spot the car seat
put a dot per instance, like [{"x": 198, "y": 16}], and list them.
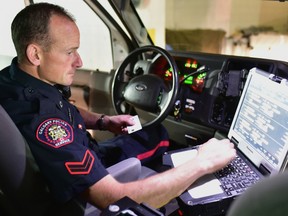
[{"x": 23, "y": 191}]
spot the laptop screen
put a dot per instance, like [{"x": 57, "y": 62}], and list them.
[{"x": 261, "y": 120}]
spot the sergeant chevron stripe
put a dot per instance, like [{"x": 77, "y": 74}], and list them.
[{"x": 83, "y": 167}]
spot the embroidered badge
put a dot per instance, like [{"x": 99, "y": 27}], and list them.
[
  {"x": 55, "y": 133},
  {"x": 82, "y": 167}
]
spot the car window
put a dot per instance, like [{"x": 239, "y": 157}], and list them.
[
  {"x": 96, "y": 34},
  {"x": 8, "y": 11},
  {"x": 256, "y": 28},
  {"x": 89, "y": 25},
  {"x": 234, "y": 27}
]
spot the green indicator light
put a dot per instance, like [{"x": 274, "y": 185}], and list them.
[
  {"x": 194, "y": 65},
  {"x": 189, "y": 80},
  {"x": 201, "y": 75}
]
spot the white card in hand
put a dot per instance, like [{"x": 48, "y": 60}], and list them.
[{"x": 137, "y": 125}]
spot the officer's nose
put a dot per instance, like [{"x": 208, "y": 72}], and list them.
[{"x": 78, "y": 61}]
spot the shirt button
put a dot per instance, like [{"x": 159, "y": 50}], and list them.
[{"x": 61, "y": 104}]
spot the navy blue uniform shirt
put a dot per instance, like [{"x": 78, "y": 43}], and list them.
[{"x": 54, "y": 130}]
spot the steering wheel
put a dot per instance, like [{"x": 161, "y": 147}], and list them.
[{"x": 134, "y": 87}]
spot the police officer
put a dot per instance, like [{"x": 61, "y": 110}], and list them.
[{"x": 46, "y": 40}]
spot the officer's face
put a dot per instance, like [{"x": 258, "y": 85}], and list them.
[{"x": 59, "y": 63}]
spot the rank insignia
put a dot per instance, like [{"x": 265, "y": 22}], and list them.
[
  {"x": 81, "y": 167},
  {"x": 55, "y": 133}
]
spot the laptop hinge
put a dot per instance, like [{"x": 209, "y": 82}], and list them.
[
  {"x": 264, "y": 170},
  {"x": 234, "y": 141}
]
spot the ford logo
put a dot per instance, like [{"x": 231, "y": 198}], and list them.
[{"x": 140, "y": 87}]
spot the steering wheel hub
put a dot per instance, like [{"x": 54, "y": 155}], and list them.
[{"x": 145, "y": 92}]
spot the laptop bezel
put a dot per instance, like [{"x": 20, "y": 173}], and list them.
[{"x": 255, "y": 157}]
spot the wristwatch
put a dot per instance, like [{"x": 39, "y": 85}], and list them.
[{"x": 100, "y": 123}]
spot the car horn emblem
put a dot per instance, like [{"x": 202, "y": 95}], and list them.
[{"x": 140, "y": 87}]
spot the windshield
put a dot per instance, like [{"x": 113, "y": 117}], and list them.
[{"x": 255, "y": 28}]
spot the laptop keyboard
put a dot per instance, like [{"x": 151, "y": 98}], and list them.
[{"x": 236, "y": 177}]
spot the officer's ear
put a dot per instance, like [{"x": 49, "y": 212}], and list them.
[{"x": 32, "y": 53}]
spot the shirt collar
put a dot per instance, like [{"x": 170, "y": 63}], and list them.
[{"x": 27, "y": 80}]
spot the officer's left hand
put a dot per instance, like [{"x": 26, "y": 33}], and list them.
[{"x": 118, "y": 124}]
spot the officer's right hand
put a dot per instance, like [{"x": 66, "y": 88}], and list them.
[{"x": 215, "y": 154}]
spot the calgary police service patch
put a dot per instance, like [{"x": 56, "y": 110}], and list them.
[{"x": 55, "y": 133}]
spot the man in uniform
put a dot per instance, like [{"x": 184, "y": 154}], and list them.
[{"x": 46, "y": 40}]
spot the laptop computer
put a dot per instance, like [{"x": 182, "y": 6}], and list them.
[{"x": 260, "y": 133}]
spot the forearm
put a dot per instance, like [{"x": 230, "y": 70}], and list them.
[
  {"x": 115, "y": 124},
  {"x": 159, "y": 189},
  {"x": 91, "y": 119},
  {"x": 156, "y": 190}
]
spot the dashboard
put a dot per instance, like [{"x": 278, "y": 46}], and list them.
[
  {"x": 210, "y": 86},
  {"x": 190, "y": 74}
]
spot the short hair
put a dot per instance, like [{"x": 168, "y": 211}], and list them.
[{"x": 31, "y": 24}]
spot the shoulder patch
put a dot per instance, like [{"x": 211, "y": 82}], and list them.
[{"x": 55, "y": 133}]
